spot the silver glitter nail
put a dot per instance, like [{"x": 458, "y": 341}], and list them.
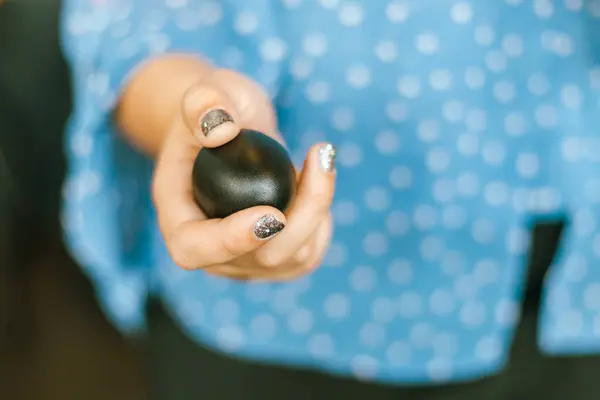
[
  {"x": 327, "y": 157},
  {"x": 267, "y": 226},
  {"x": 214, "y": 118}
]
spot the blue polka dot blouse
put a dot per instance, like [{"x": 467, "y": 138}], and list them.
[{"x": 458, "y": 124}]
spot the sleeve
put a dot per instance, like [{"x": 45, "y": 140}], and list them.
[{"x": 107, "y": 213}]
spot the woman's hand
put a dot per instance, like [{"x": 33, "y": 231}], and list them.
[{"x": 239, "y": 246}]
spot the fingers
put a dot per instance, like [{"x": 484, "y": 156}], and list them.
[
  {"x": 202, "y": 243},
  {"x": 210, "y": 115},
  {"x": 309, "y": 210}
]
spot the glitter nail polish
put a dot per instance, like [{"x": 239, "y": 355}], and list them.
[
  {"x": 213, "y": 119},
  {"x": 327, "y": 155},
  {"x": 267, "y": 227}
]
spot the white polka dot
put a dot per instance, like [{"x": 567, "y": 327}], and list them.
[
  {"x": 495, "y": 61},
  {"x": 364, "y": 367},
  {"x": 483, "y": 231},
  {"x": 321, "y": 346},
  {"x": 349, "y": 155},
  {"x": 437, "y": 160},
  {"x": 512, "y": 45},
  {"x": 425, "y": 217},
  {"x": 488, "y": 349},
  {"x": 300, "y": 68},
  {"x": 421, "y": 334},
  {"x": 226, "y": 311},
  {"x": 300, "y": 321},
  {"x": 496, "y": 193},
  {"x": 387, "y": 142},
  {"x": 575, "y": 268},
  {"x": 363, "y": 279},
  {"x": 569, "y": 323},
  {"x": 230, "y": 338},
  {"x": 336, "y": 306},
  {"x": 291, "y": 4},
  {"x": 441, "y": 302},
  {"x": 401, "y": 177},
  {"x": 428, "y": 130},
  {"x": 574, "y": 5},
  {"x": 504, "y": 91},
  {"x": 345, "y": 213},
  {"x": 400, "y": 271},
  {"x": 273, "y": 49},
  {"x": 486, "y": 272},
  {"x": 528, "y": 165},
  {"x": 427, "y": 43},
  {"x": 538, "y": 84},
  {"x": 377, "y": 198},
  {"x": 453, "y": 264},
  {"x": 336, "y": 255},
  {"x": 517, "y": 241},
  {"x": 465, "y": 287},
  {"x": 329, "y": 4},
  {"x": 467, "y": 184},
  {"x": 445, "y": 344},
  {"x": 397, "y": 11},
  {"x": 398, "y": 353},
  {"x": 409, "y": 304},
  {"x": 315, "y": 44},
  {"x": 443, "y": 190},
  {"x": 474, "y": 77},
  {"x": 318, "y": 92},
  {"x": 284, "y": 300},
  {"x": 472, "y": 314},
  {"x": 375, "y": 244},
  {"x": 409, "y": 86},
  {"x": 440, "y": 79},
  {"x": 382, "y": 310},
  {"x": 263, "y": 326},
  {"x": 591, "y": 296},
  {"x": 461, "y": 13},
  {"x": 82, "y": 144},
  {"x": 397, "y": 223},
  {"x": 494, "y": 153},
  {"x": 386, "y": 51},
  {"x": 351, "y": 14},
  {"x": 515, "y": 124},
  {"x": 454, "y": 217},
  {"x": 371, "y": 335},
  {"x": 246, "y": 23},
  {"x": 484, "y": 35},
  {"x": 431, "y": 248},
  {"x": 476, "y": 120},
  {"x": 453, "y": 111},
  {"x": 396, "y": 111},
  {"x": 558, "y": 43},
  {"x": 467, "y": 144},
  {"x": 546, "y": 116},
  {"x": 571, "y": 96},
  {"x": 358, "y": 76},
  {"x": 258, "y": 292},
  {"x": 342, "y": 119},
  {"x": 507, "y": 312},
  {"x": 543, "y": 8}
]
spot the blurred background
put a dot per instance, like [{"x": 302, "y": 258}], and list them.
[{"x": 54, "y": 341}]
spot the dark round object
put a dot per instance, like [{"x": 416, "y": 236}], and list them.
[{"x": 251, "y": 170}]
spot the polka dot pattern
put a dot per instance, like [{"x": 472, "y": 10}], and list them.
[{"x": 453, "y": 132}]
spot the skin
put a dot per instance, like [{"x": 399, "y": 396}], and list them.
[{"x": 159, "y": 113}]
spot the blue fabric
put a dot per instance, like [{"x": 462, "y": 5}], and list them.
[{"x": 458, "y": 124}]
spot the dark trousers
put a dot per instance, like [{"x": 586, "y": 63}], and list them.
[{"x": 181, "y": 369}]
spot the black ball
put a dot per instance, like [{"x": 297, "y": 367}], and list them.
[{"x": 250, "y": 170}]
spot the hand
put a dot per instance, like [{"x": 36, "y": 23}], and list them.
[{"x": 238, "y": 247}]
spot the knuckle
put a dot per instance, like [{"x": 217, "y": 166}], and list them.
[
  {"x": 180, "y": 257},
  {"x": 270, "y": 259}
]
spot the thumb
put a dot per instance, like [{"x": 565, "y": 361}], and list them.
[{"x": 210, "y": 115}]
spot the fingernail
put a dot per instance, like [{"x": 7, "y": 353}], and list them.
[
  {"x": 213, "y": 119},
  {"x": 327, "y": 157},
  {"x": 267, "y": 227}
]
